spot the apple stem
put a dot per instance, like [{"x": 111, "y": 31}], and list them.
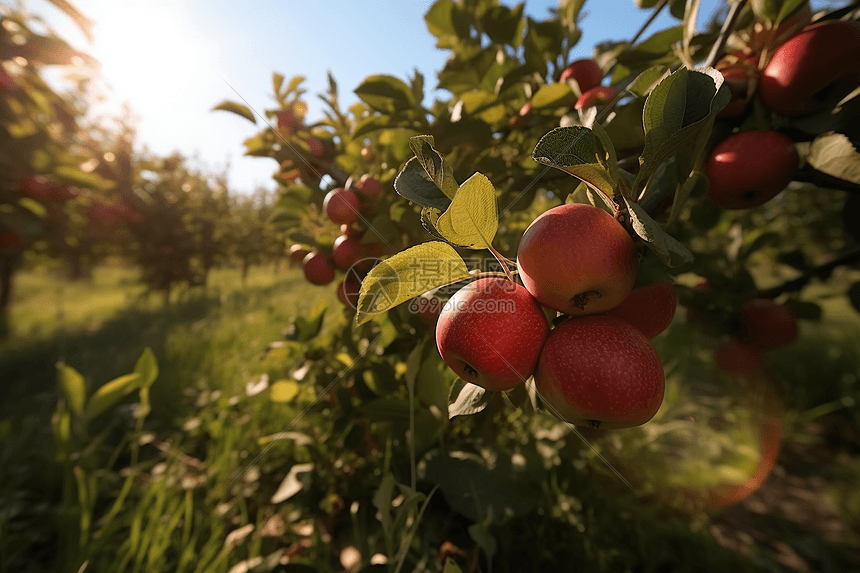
[
  {"x": 725, "y": 32},
  {"x": 502, "y": 261}
]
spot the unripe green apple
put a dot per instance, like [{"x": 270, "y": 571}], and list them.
[
  {"x": 342, "y": 206},
  {"x": 491, "y": 332},
  {"x": 600, "y": 372},
  {"x": 750, "y": 168},
  {"x": 586, "y": 73},
  {"x": 768, "y": 325},
  {"x": 317, "y": 269},
  {"x": 822, "y": 56},
  {"x": 599, "y": 95},
  {"x": 577, "y": 259},
  {"x": 738, "y": 358},
  {"x": 650, "y": 308}
]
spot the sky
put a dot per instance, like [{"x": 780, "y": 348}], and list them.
[{"x": 172, "y": 61}]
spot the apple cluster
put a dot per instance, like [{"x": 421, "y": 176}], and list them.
[
  {"x": 596, "y": 366},
  {"x": 758, "y": 326},
  {"x": 344, "y": 206},
  {"x": 795, "y": 69}
]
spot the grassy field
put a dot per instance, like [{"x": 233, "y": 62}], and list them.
[{"x": 190, "y": 487}]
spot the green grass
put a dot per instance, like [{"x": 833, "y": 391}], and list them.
[{"x": 164, "y": 496}]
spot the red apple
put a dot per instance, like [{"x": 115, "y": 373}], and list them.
[
  {"x": 352, "y": 231},
  {"x": 741, "y": 74},
  {"x": 750, "y": 168},
  {"x": 346, "y": 252},
  {"x": 738, "y": 358},
  {"x": 823, "y": 55},
  {"x": 577, "y": 259},
  {"x": 288, "y": 121},
  {"x": 298, "y": 253},
  {"x": 586, "y": 73},
  {"x": 491, "y": 332},
  {"x": 765, "y": 37},
  {"x": 369, "y": 186},
  {"x": 601, "y": 372},
  {"x": 348, "y": 291},
  {"x": 599, "y": 95},
  {"x": 7, "y": 82},
  {"x": 769, "y": 325},
  {"x": 316, "y": 147},
  {"x": 649, "y": 308},
  {"x": 36, "y": 187},
  {"x": 342, "y": 206},
  {"x": 317, "y": 269}
]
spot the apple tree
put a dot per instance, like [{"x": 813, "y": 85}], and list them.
[{"x": 710, "y": 169}]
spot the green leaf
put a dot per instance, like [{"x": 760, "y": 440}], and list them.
[
  {"x": 73, "y": 387},
  {"x": 32, "y": 206},
  {"x": 386, "y": 94},
  {"x": 806, "y": 310},
  {"x": 108, "y": 395},
  {"x": 298, "y": 478},
  {"x": 504, "y": 25},
  {"x": 656, "y": 48},
  {"x": 472, "y": 219},
  {"x": 433, "y": 163},
  {"x": 552, "y": 96},
  {"x": 466, "y": 399},
  {"x": 294, "y": 84},
  {"x": 406, "y": 275},
  {"x": 775, "y": 11},
  {"x": 415, "y": 184},
  {"x": 147, "y": 367},
  {"x": 678, "y": 118},
  {"x": 669, "y": 250},
  {"x": 574, "y": 149},
  {"x": 283, "y": 391},
  {"x": 75, "y": 176},
  {"x": 236, "y": 108},
  {"x": 451, "y": 566},
  {"x": 833, "y": 154},
  {"x": 648, "y": 80},
  {"x": 277, "y": 83}
]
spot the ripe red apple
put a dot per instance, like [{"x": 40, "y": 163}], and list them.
[
  {"x": 317, "y": 269},
  {"x": 491, "y": 332},
  {"x": 352, "y": 231},
  {"x": 769, "y": 325},
  {"x": 650, "y": 308},
  {"x": 36, "y": 187},
  {"x": 750, "y": 168},
  {"x": 348, "y": 291},
  {"x": 601, "y": 372},
  {"x": 7, "y": 82},
  {"x": 577, "y": 259},
  {"x": 369, "y": 186},
  {"x": 342, "y": 206},
  {"x": 763, "y": 37},
  {"x": 738, "y": 358},
  {"x": 599, "y": 95},
  {"x": 298, "y": 253},
  {"x": 823, "y": 55},
  {"x": 740, "y": 72},
  {"x": 586, "y": 73},
  {"x": 288, "y": 121},
  {"x": 346, "y": 252},
  {"x": 316, "y": 147}
]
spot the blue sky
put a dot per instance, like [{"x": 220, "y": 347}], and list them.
[{"x": 170, "y": 59}]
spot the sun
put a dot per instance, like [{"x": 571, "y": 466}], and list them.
[{"x": 150, "y": 53}]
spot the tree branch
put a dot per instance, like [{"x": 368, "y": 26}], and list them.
[
  {"x": 850, "y": 256},
  {"x": 726, "y": 30},
  {"x": 821, "y": 179},
  {"x": 651, "y": 18}
]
